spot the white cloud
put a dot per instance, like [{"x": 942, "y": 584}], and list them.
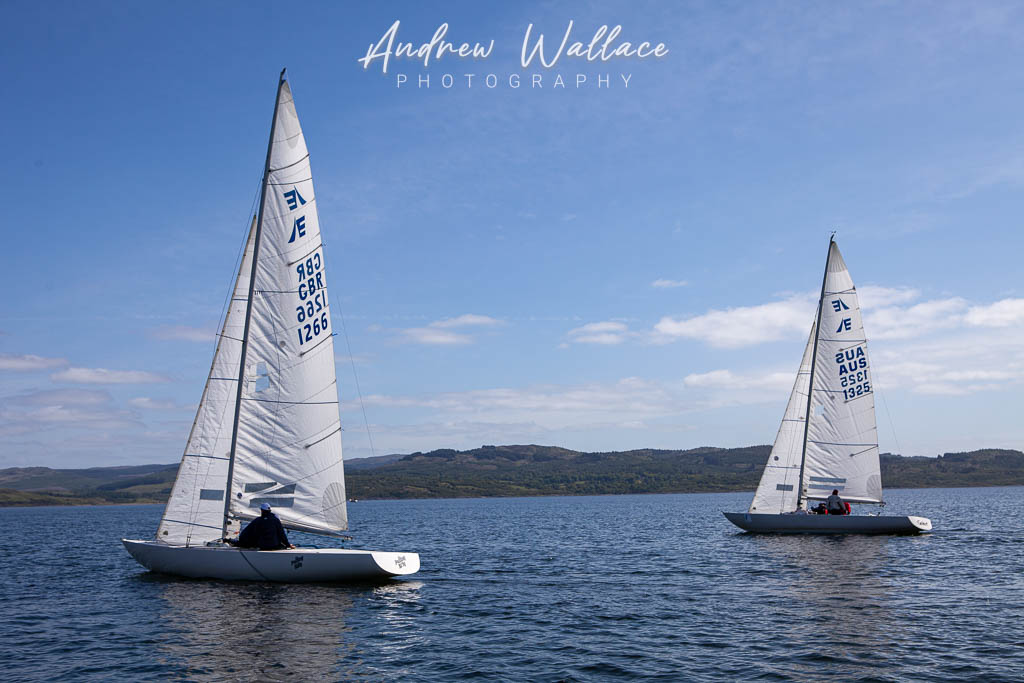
[
  {"x": 999, "y": 314},
  {"x": 873, "y": 296},
  {"x": 889, "y": 313},
  {"x": 559, "y": 406},
  {"x": 467, "y": 320},
  {"x": 29, "y": 362},
  {"x": 64, "y": 397},
  {"x": 959, "y": 363},
  {"x": 146, "y": 403},
  {"x": 895, "y": 322},
  {"x": 104, "y": 376},
  {"x": 433, "y": 335},
  {"x": 440, "y": 332},
  {"x": 743, "y": 326},
  {"x": 667, "y": 284},
  {"x": 726, "y": 379},
  {"x": 42, "y": 412},
  {"x": 720, "y": 388},
  {"x": 183, "y": 333},
  {"x": 607, "y": 333}
]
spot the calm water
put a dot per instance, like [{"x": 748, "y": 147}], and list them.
[{"x": 545, "y": 589}]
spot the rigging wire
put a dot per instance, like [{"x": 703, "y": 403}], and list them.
[
  {"x": 892, "y": 425},
  {"x": 359, "y": 392}
]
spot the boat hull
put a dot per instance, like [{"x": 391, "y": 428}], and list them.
[
  {"x": 828, "y": 524},
  {"x": 300, "y": 565}
]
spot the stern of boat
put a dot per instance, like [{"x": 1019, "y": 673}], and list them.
[
  {"x": 922, "y": 523},
  {"x": 397, "y": 564}
]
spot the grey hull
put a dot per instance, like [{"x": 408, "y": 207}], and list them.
[{"x": 828, "y": 524}]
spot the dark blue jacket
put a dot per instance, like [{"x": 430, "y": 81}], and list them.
[{"x": 265, "y": 532}]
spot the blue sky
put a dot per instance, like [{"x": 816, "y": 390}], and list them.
[{"x": 599, "y": 269}]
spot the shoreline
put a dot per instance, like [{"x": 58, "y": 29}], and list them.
[{"x": 4, "y": 505}]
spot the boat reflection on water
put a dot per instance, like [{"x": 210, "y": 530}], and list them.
[
  {"x": 835, "y": 600},
  {"x": 266, "y": 632}
]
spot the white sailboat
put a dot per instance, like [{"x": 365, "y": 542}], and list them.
[
  {"x": 268, "y": 428},
  {"x": 828, "y": 439}
]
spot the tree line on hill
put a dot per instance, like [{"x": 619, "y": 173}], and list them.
[{"x": 518, "y": 471}]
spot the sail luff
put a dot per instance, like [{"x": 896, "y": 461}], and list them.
[
  {"x": 801, "y": 495},
  {"x": 248, "y": 309}
]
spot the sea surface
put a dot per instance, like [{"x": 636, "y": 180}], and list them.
[{"x": 537, "y": 589}]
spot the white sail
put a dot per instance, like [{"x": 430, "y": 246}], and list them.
[
  {"x": 842, "y": 438},
  {"x": 268, "y": 427},
  {"x": 288, "y": 449},
  {"x": 195, "y": 511},
  {"x": 780, "y": 481}
]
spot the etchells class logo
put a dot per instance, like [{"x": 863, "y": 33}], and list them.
[{"x": 558, "y": 62}]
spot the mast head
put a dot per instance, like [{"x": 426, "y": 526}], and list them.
[{"x": 282, "y": 72}]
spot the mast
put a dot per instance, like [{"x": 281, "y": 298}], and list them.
[
  {"x": 810, "y": 385},
  {"x": 248, "y": 309}
]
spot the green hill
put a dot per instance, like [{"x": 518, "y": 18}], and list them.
[
  {"x": 91, "y": 486},
  {"x": 518, "y": 471}
]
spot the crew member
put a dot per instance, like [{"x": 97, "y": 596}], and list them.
[
  {"x": 265, "y": 532},
  {"x": 835, "y": 504}
]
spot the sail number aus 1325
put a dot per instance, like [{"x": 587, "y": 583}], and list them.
[
  {"x": 853, "y": 373},
  {"x": 311, "y": 313}
]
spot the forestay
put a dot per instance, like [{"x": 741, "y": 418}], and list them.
[
  {"x": 842, "y": 437},
  {"x": 288, "y": 450},
  {"x": 195, "y": 510}
]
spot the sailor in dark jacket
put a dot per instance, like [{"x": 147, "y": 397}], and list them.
[
  {"x": 265, "y": 532},
  {"x": 835, "y": 504}
]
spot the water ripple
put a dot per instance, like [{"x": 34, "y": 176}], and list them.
[{"x": 550, "y": 589}]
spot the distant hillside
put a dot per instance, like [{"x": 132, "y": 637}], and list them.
[
  {"x": 370, "y": 463},
  {"x": 517, "y": 471},
  {"x": 92, "y": 486},
  {"x": 543, "y": 470},
  {"x": 986, "y": 467}
]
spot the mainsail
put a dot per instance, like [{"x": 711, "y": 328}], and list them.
[
  {"x": 288, "y": 449},
  {"x": 828, "y": 438},
  {"x": 271, "y": 427},
  {"x": 842, "y": 437}
]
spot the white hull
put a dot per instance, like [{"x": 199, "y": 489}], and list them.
[
  {"x": 828, "y": 524},
  {"x": 301, "y": 565}
]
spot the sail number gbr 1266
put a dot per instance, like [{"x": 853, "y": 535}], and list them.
[
  {"x": 853, "y": 373},
  {"x": 311, "y": 313}
]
